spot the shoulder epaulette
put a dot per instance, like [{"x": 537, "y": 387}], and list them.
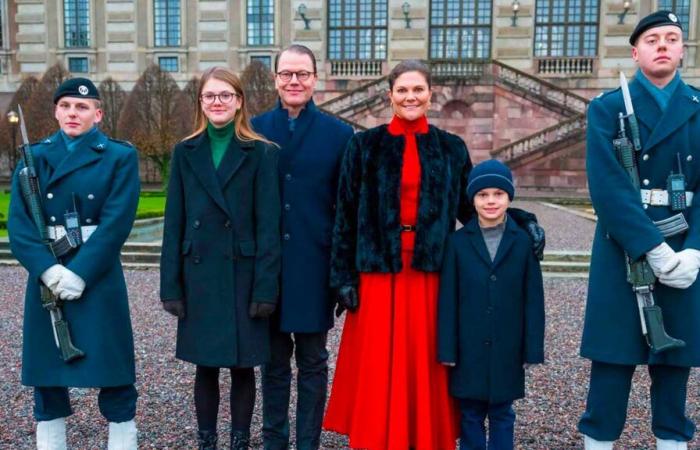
[{"x": 118, "y": 141}]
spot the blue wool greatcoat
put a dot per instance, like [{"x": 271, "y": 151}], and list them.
[
  {"x": 612, "y": 331},
  {"x": 490, "y": 313},
  {"x": 309, "y": 162},
  {"x": 103, "y": 176}
]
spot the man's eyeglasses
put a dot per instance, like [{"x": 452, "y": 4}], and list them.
[
  {"x": 302, "y": 75},
  {"x": 224, "y": 97}
]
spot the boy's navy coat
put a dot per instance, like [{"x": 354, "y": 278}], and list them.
[
  {"x": 103, "y": 176},
  {"x": 612, "y": 331},
  {"x": 221, "y": 249},
  {"x": 490, "y": 314},
  {"x": 309, "y": 161}
]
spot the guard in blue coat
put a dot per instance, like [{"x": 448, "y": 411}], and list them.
[
  {"x": 490, "y": 311},
  {"x": 312, "y": 144},
  {"x": 81, "y": 171},
  {"x": 668, "y": 112}
]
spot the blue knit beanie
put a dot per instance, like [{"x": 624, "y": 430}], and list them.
[{"x": 490, "y": 174}]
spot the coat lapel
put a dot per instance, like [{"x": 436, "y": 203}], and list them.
[
  {"x": 477, "y": 240},
  {"x": 198, "y": 157},
  {"x": 646, "y": 109},
  {"x": 303, "y": 122},
  {"x": 683, "y": 105},
  {"x": 233, "y": 159},
  {"x": 506, "y": 241},
  {"x": 57, "y": 152},
  {"x": 88, "y": 152}
]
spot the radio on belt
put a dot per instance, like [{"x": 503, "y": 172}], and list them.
[
  {"x": 675, "y": 186},
  {"x": 72, "y": 224}
]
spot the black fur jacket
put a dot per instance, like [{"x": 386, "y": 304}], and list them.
[{"x": 366, "y": 235}]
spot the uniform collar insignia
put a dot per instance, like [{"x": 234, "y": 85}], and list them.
[{"x": 695, "y": 99}]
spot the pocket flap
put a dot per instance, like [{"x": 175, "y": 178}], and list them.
[
  {"x": 247, "y": 248},
  {"x": 186, "y": 247}
]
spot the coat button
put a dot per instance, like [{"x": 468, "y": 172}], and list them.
[
  {"x": 196, "y": 224},
  {"x": 645, "y": 157},
  {"x": 91, "y": 197},
  {"x": 489, "y": 310},
  {"x": 645, "y": 182},
  {"x": 53, "y": 219},
  {"x": 287, "y": 236},
  {"x": 227, "y": 224},
  {"x": 287, "y": 206},
  {"x": 487, "y": 342},
  {"x": 88, "y": 220},
  {"x": 689, "y": 158},
  {"x": 196, "y": 260},
  {"x": 646, "y": 206},
  {"x": 288, "y": 177},
  {"x": 493, "y": 277},
  {"x": 49, "y": 195}
]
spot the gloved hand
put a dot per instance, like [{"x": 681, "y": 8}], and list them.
[
  {"x": 175, "y": 307},
  {"x": 685, "y": 273},
  {"x": 261, "y": 310},
  {"x": 347, "y": 299},
  {"x": 70, "y": 286},
  {"x": 52, "y": 276},
  {"x": 536, "y": 233},
  {"x": 662, "y": 259}
]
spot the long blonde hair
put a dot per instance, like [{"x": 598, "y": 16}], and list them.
[{"x": 242, "y": 128}]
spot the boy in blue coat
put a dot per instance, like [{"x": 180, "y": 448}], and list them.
[{"x": 490, "y": 312}]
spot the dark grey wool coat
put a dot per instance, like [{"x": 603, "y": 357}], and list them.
[
  {"x": 367, "y": 231},
  {"x": 221, "y": 250}
]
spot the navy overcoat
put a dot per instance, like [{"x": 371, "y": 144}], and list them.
[
  {"x": 102, "y": 175},
  {"x": 309, "y": 163},
  {"x": 221, "y": 250},
  {"x": 612, "y": 331},
  {"x": 490, "y": 314}
]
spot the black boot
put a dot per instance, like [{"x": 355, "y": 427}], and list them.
[
  {"x": 206, "y": 440},
  {"x": 240, "y": 440}
]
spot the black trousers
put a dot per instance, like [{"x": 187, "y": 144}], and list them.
[
  {"x": 608, "y": 394},
  {"x": 117, "y": 404},
  {"x": 312, "y": 386}
]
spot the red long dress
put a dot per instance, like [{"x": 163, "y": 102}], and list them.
[{"x": 389, "y": 390}]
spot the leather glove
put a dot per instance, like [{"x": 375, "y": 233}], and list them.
[
  {"x": 175, "y": 307},
  {"x": 685, "y": 273},
  {"x": 662, "y": 259},
  {"x": 347, "y": 299},
  {"x": 261, "y": 310},
  {"x": 52, "y": 276},
  {"x": 536, "y": 233},
  {"x": 70, "y": 286}
]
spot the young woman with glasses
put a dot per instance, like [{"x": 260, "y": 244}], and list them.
[{"x": 221, "y": 252}]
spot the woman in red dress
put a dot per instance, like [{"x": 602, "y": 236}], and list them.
[{"x": 402, "y": 187}]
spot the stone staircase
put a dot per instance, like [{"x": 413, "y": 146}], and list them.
[{"x": 143, "y": 256}]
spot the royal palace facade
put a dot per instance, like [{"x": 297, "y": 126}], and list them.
[{"x": 513, "y": 77}]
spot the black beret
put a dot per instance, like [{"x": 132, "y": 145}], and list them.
[
  {"x": 653, "y": 20},
  {"x": 76, "y": 87}
]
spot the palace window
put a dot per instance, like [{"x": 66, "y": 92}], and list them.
[
  {"x": 460, "y": 29},
  {"x": 169, "y": 63},
  {"x": 76, "y": 23},
  {"x": 261, "y": 22},
  {"x": 78, "y": 65},
  {"x": 566, "y": 28},
  {"x": 357, "y": 29},
  {"x": 166, "y": 21},
  {"x": 681, "y": 8}
]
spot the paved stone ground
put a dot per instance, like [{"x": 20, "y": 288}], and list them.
[{"x": 546, "y": 418}]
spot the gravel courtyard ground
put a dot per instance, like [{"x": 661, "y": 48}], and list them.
[{"x": 546, "y": 418}]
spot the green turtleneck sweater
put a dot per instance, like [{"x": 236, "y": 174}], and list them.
[{"x": 219, "y": 139}]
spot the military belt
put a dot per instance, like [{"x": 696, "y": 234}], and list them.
[
  {"x": 56, "y": 232},
  {"x": 659, "y": 197}
]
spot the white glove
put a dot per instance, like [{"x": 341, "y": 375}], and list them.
[
  {"x": 686, "y": 272},
  {"x": 51, "y": 277},
  {"x": 71, "y": 286},
  {"x": 662, "y": 259}
]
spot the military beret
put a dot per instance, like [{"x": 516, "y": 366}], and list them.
[
  {"x": 653, "y": 20},
  {"x": 76, "y": 87}
]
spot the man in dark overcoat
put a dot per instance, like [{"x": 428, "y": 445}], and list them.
[
  {"x": 80, "y": 170},
  {"x": 312, "y": 144},
  {"x": 668, "y": 112}
]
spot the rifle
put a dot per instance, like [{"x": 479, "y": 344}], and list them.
[
  {"x": 29, "y": 184},
  {"x": 639, "y": 273}
]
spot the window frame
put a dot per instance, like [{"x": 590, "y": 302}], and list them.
[
  {"x": 262, "y": 6},
  {"x": 73, "y": 27},
  {"x": 379, "y": 34},
  {"x": 460, "y": 28},
  {"x": 162, "y": 9},
  {"x": 565, "y": 26}
]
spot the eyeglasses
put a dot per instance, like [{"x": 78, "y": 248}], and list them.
[
  {"x": 224, "y": 97},
  {"x": 302, "y": 75}
]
